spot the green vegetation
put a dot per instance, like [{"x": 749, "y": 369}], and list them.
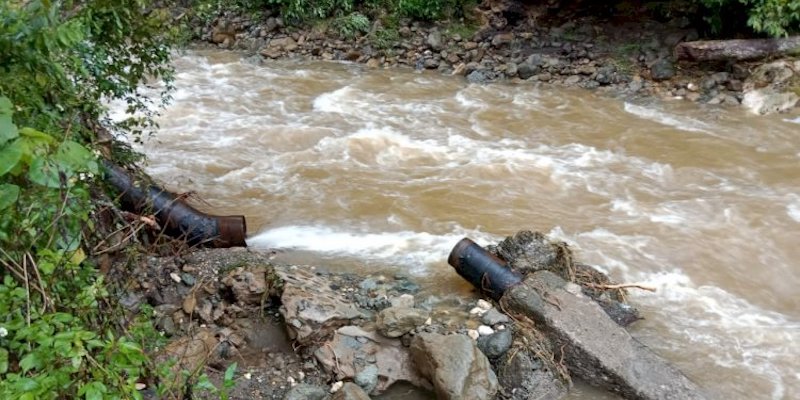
[
  {"x": 773, "y": 17},
  {"x": 61, "y": 333}
]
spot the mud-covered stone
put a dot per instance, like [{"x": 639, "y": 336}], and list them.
[
  {"x": 455, "y": 366},
  {"x": 496, "y": 344},
  {"x": 525, "y": 377},
  {"x": 527, "y": 251},
  {"x": 350, "y": 391},
  {"x": 397, "y": 321},
  {"x": 311, "y": 308},
  {"x": 305, "y": 391},
  {"x": 353, "y": 349}
]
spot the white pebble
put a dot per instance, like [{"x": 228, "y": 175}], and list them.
[
  {"x": 477, "y": 311},
  {"x": 336, "y": 386},
  {"x": 291, "y": 381},
  {"x": 484, "y": 330},
  {"x": 485, "y": 305},
  {"x": 301, "y": 375},
  {"x": 139, "y": 386},
  {"x": 428, "y": 321},
  {"x": 175, "y": 277},
  {"x": 248, "y": 376},
  {"x": 500, "y": 327},
  {"x": 472, "y": 333}
]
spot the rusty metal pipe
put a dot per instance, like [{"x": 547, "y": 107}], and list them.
[
  {"x": 178, "y": 219},
  {"x": 483, "y": 270}
]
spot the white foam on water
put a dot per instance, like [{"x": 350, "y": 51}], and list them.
[
  {"x": 682, "y": 123},
  {"x": 794, "y": 120},
  {"x": 793, "y": 208},
  {"x": 727, "y": 329},
  {"x": 415, "y": 250}
]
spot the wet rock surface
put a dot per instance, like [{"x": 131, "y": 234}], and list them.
[
  {"x": 455, "y": 366},
  {"x": 304, "y": 332},
  {"x": 595, "y": 348},
  {"x": 536, "y": 46}
]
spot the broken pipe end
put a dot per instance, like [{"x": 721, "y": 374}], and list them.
[{"x": 483, "y": 270}]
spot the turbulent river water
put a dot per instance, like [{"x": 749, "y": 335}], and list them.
[{"x": 385, "y": 170}]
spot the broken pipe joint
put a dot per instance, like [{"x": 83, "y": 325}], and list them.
[
  {"x": 177, "y": 218},
  {"x": 483, "y": 270}
]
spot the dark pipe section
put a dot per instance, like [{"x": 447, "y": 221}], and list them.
[
  {"x": 178, "y": 219},
  {"x": 483, "y": 270}
]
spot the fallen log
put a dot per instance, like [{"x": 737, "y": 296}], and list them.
[{"x": 736, "y": 49}]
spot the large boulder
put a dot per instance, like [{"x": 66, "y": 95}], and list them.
[
  {"x": 311, "y": 309},
  {"x": 593, "y": 346},
  {"x": 354, "y": 353},
  {"x": 455, "y": 366},
  {"x": 769, "y": 89}
]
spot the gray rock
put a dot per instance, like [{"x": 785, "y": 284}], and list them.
[
  {"x": 397, "y": 321},
  {"x": 527, "y": 251},
  {"x": 494, "y": 317},
  {"x": 527, "y": 377},
  {"x": 271, "y": 24},
  {"x": 344, "y": 355},
  {"x": 304, "y": 391},
  {"x": 662, "y": 70},
  {"x": 596, "y": 349},
  {"x": 404, "y": 300},
  {"x": 531, "y": 66},
  {"x": 313, "y": 308},
  {"x": 431, "y": 63},
  {"x": 496, "y": 344},
  {"x": 502, "y": 39},
  {"x": 350, "y": 391},
  {"x": 455, "y": 366},
  {"x": 768, "y": 101},
  {"x": 435, "y": 41},
  {"x": 511, "y": 70},
  {"x": 572, "y": 80},
  {"x": 477, "y": 76},
  {"x": 367, "y": 378}
]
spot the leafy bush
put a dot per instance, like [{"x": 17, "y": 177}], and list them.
[
  {"x": 61, "y": 62},
  {"x": 421, "y": 9},
  {"x": 773, "y": 17},
  {"x": 351, "y": 25},
  {"x": 304, "y": 10}
]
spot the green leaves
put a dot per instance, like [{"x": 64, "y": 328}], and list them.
[
  {"x": 10, "y": 156},
  {"x": 8, "y": 130},
  {"x": 9, "y": 194}
]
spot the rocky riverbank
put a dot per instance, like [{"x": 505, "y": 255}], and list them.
[
  {"x": 301, "y": 332},
  {"x": 515, "y": 43}
]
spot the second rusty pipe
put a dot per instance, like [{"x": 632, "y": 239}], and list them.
[{"x": 489, "y": 274}]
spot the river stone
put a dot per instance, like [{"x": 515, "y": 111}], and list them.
[
  {"x": 496, "y": 344},
  {"x": 494, "y": 317},
  {"x": 344, "y": 356},
  {"x": 455, "y": 366},
  {"x": 304, "y": 391},
  {"x": 477, "y": 76},
  {"x": 248, "y": 285},
  {"x": 768, "y": 101},
  {"x": 367, "y": 378},
  {"x": 502, "y": 39},
  {"x": 313, "y": 307},
  {"x": 662, "y": 70},
  {"x": 435, "y": 41},
  {"x": 531, "y": 66},
  {"x": 527, "y": 251},
  {"x": 397, "y": 321},
  {"x": 350, "y": 391},
  {"x": 527, "y": 378}
]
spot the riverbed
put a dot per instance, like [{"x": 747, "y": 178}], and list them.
[{"x": 369, "y": 170}]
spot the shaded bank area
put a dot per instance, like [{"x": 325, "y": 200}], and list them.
[
  {"x": 625, "y": 52},
  {"x": 298, "y": 331}
]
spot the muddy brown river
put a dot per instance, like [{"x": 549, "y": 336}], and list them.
[{"x": 385, "y": 170}]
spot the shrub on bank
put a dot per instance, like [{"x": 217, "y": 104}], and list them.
[{"x": 62, "y": 335}]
